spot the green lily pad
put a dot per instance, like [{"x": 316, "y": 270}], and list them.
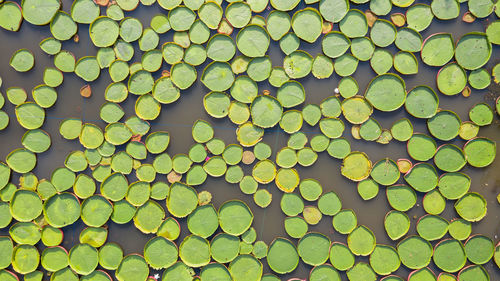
[
  {"x": 211, "y": 14},
  {"x": 384, "y": 259},
  {"x": 194, "y": 251},
  {"x": 44, "y": 95},
  {"x": 266, "y": 111},
  {"x": 386, "y": 92},
  {"x": 406, "y": 63},
  {"x": 381, "y": 61},
  {"x": 11, "y": 15},
  {"x": 383, "y": 33},
  {"x": 25, "y": 259},
  {"x": 25, "y": 205},
  {"x": 217, "y": 76},
  {"x": 215, "y": 271},
  {"x": 282, "y": 256},
  {"x": 30, "y": 115},
  {"x": 471, "y": 207},
  {"x": 182, "y": 200},
  {"x": 396, "y": 224},
  {"x": 104, "y": 31},
  {"x": 345, "y": 221},
  {"x": 307, "y": 24},
  {"x": 356, "y": 166},
  {"x": 473, "y": 50},
  {"x": 445, "y": 9},
  {"x": 481, "y": 114},
  {"x": 132, "y": 267},
  {"x": 354, "y": 24},
  {"x": 438, "y": 49},
  {"x": 385, "y": 172},
  {"x": 408, "y": 39},
  {"x": 298, "y": 64},
  {"x": 245, "y": 268},
  {"x": 54, "y": 259},
  {"x": 22, "y": 60},
  {"x": 39, "y": 12},
  {"x": 451, "y": 79},
  {"x": 422, "y": 102},
  {"x": 252, "y": 41},
  {"x": 63, "y": 201},
  {"x": 419, "y": 16},
  {"x": 149, "y": 217},
  {"x": 361, "y": 241},
  {"x": 432, "y": 227},
  {"x": 415, "y": 252},
  {"x": 368, "y": 189},
  {"x": 422, "y": 274},
  {"x": 479, "y": 249},
  {"x": 449, "y": 255},
  {"x": 480, "y": 152},
  {"x": 203, "y": 221},
  {"x": 356, "y": 109},
  {"x": 422, "y": 177},
  {"x": 473, "y": 272},
  {"x": 444, "y": 125},
  {"x": 25, "y": 233},
  {"x": 361, "y": 271},
  {"x": 334, "y": 44},
  {"x": 314, "y": 248},
  {"x": 449, "y": 158},
  {"x": 62, "y": 26},
  {"x": 479, "y": 79},
  {"x": 96, "y": 211},
  {"x": 341, "y": 257},
  {"x": 83, "y": 259},
  {"x": 21, "y": 160},
  {"x": 235, "y": 217}
]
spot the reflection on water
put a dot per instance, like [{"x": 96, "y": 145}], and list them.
[{"x": 177, "y": 119}]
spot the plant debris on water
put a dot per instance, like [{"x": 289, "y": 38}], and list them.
[{"x": 125, "y": 173}]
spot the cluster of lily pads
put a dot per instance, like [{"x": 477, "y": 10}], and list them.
[{"x": 123, "y": 173}]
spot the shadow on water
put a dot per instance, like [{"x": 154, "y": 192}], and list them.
[{"x": 178, "y": 117}]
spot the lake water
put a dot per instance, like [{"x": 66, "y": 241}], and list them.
[{"x": 177, "y": 119}]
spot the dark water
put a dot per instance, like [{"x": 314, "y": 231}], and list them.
[{"x": 177, "y": 119}]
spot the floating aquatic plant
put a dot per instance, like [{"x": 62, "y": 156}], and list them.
[{"x": 125, "y": 173}]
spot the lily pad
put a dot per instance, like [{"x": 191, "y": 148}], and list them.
[
  {"x": 386, "y": 92},
  {"x": 451, "y": 79},
  {"x": 479, "y": 249},
  {"x": 471, "y": 207},
  {"x": 438, "y": 49},
  {"x": 480, "y": 152},
  {"x": 415, "y": 252},
  {"x": 449, "y": 255},
  {"x": 253, "y": 41},
  {"x": 444, "y": 125},
  {"x": 314, "y": 248},
  {"x": 282, "y": 256},
  {"x": 235, "y": 217},
  {"x": 307, "y": 24},
  {"x": 22, "y": 60},
  {"x": 473, "y": 50},
  {"x": 356, "y": 166},
  {"x": 384, "y": 259}
]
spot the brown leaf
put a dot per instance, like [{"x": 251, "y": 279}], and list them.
[
  {"x": 398, "y": 19},
  {"x": 248, "y": 157},
  {"x": 468, "y": 17},
  {"x": 86, "y": 91},
  {"x": 466, "y": 91},
  {"x": 101, "y": 2},
  {"x": 326, "y": 27},
  {"x": 370, "y": 17}
]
